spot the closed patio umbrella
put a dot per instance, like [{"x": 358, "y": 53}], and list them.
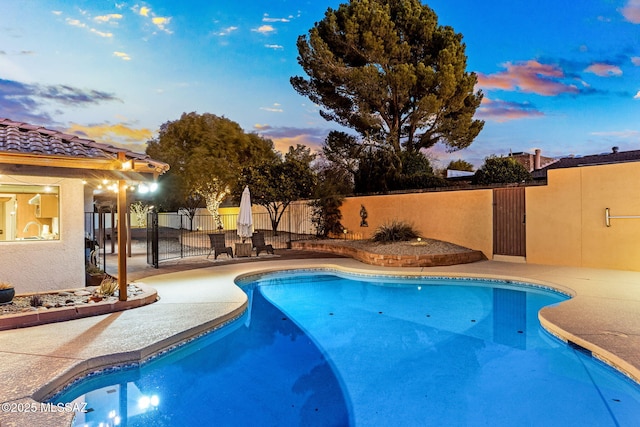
[{"x": 245, "y": 219}]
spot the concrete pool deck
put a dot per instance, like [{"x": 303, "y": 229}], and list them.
[{"x": 603, "y": 316}]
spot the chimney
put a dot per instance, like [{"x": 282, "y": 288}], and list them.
[{"x": 536, "y": 161}]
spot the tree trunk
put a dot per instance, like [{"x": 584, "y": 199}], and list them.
[{"x": 213, "y": 203}]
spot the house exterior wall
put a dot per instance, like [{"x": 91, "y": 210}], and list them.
[
  {"x": 566, "y": 219},
  {"x": 461, "y": 217},
  {"x": 34, "y": 266}
]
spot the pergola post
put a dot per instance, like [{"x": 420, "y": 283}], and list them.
[{"x": 122, "y": 235}]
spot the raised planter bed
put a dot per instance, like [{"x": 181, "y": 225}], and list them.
[{"x": 390, "y": 260}]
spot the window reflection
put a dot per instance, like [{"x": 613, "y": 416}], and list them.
[{"x": 29, "y": 212}]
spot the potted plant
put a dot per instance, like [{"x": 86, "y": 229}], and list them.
[
  {"x": 94, "y": 275},
  {"x": 7, "y": 292}
]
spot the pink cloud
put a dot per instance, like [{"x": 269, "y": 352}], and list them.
[
  {"x": 530, "y": 76},
  {"x": 503, "y": 111},
  {"x": 631, "y": 11},
  {"x": 604, "y": 70}
]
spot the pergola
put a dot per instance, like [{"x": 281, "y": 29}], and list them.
[{"x": 31, "y": 150}]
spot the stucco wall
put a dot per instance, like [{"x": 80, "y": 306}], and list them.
[
  {"x": 33, "y": 266},
  {"x": 566, "y": 218},
  {"x": 461, "y": 217}
]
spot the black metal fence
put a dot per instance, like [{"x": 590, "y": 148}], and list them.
[
  {"x": 164, "y": 236},
  {"x": 176, "y": 235}
]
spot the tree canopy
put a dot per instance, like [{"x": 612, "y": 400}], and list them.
[
  {"x": 386, "y": 69},
  {"x": 276, "y": 183},
  {"x": 501, "y": 170},
  {"x": 460, "y": 165},
  {"x": 206, "y": 154}
]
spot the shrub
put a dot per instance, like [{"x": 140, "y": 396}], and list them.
[
  {"x": 397, "y": 231},
  {"x": 501, "y": 170},
  {"x": 5, "y": 285},
  {"x": 108, "y": 286},
  {"x": 35, "y": 301},
  {"x": 326, "y": 215},
  {"x": 93, "y": 269}
]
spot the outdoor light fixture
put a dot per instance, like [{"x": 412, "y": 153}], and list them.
[
  {"x": 127, "y": 166},
  {"x": 144, "y": 188}
]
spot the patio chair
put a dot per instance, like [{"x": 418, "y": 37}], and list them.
[
  {"x": 259, "y": 245},
  {"x": 219, "y": 246}
]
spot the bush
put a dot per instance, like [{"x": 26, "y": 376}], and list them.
[
  {"x": 501, "y": 170},
  {"x": 108, "y": 286},
  {"x": 35, "y": 301},
  {"x": 5, "y": 285},
  {"x": 418, "y": 182},
  {"x": 326, "y": 215},
  {"x": 397, "y": 231}
]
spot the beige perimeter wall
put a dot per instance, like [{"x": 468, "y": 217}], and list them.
[
  {"x": 40, "y": 265},
  {"x": 460, "y": 217},
  {"x": 565, "y": 219}
]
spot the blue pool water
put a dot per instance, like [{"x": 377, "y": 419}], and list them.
[{"x": 321, "y": 349}]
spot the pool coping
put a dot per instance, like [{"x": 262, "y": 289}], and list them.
[{"x": 566, "y": 280}]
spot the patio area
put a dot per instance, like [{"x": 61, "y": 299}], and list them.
[{"x": 196, "y": 295}]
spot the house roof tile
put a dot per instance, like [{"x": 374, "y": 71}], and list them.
[{"x": 28, "y": 139}]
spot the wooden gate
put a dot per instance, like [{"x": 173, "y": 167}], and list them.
[{"x": 509, "y": 228}]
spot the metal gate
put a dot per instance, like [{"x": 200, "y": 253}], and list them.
[
  {"x": 152, "y": 239},
  {"x": 509, "y": 216}
]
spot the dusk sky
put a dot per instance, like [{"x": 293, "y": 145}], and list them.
[{"x": 561, "y": 75}]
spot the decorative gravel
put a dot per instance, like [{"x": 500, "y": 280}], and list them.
[
  {"x": 413, "y": 247},
  {"x": 68, "y": 298}
]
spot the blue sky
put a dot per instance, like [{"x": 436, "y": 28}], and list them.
[{"x": 562, "y": 75}]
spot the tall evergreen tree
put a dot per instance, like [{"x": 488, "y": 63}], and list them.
[{"x": 386, "y": 69}]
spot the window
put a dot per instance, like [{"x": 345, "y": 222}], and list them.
[{"x": 29, "y": 212}]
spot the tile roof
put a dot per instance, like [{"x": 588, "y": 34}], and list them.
[
  {"x": 24, "y": 138},
  {"x": 594, "y": 159}
]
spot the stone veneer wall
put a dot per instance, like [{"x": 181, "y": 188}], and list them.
[{"x": 392, "y": 260}]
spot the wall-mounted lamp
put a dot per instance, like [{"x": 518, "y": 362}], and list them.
[{"x": 127, "y": 166}]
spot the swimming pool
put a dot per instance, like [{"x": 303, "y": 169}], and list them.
[{"x": 322, "y": 348}]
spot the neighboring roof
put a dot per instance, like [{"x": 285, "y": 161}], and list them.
[
  {"x": 528, "y": 160},
  {"x": 453, "y": 173},
  {"x": 595, "y": 159},
  {"x": 23, "y": 143}
]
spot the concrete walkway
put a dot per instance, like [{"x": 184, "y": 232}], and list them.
[{"x": 198, "y": 294}]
